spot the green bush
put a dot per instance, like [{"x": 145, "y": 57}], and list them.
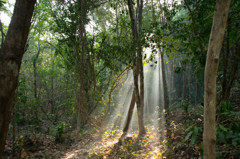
[{"x": 58, "y": 131}]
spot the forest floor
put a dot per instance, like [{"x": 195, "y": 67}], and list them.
[{"x": 168, "y": 143}]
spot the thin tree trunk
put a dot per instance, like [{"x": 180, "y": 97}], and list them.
[
  {"x": 35, "y": 79},
  {"x": 211, "y": 68},
  {"x": 196, "y": 92},
  {"x": 225, "y": 65},
  {"x": 35, "y": 71},
  {"x": 52, "y": 87},
  {"x": 184, "y": 83},
  {"x": 141, "y": 106},
  {"x": 11, "y": 54},
  {"x": 129, "y": 116},
  {"x": 189, "y": 85},
  {"x": 164, "y": 83},
  {"x": 229, "y": 79},
  {"x": 232, "y": 74},
  {"x": 170, "y": 85}
]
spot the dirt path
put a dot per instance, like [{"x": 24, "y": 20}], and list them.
[{"x": 148, "y": 146}]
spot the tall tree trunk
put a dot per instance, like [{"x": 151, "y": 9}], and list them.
[
  {"x": 35, "y": 80},
  {"x": 228, "y": 78},
  {"x": 52, "y": 101},
  {"x": 161, "y": 49},
  {"x": 83, "y": 72},
  {"x": 196, "y": 92},
  {"x": 35, "y": 71},
  {"x": 214, "y": 48},
  {"x": 137, "y": 54},
  {"x": 11, "y": 54},
  {"x": 189, "y": 85},
  {"x": 184, "y": 83},
  {"x": 170, "y": 85},
  {"x": 140, "y": 61},
  {"x": 164, "y": 83},
  {"x": 232, "y": 74}
]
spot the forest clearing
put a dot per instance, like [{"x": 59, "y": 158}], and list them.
[{"x": 106, "y": 79}]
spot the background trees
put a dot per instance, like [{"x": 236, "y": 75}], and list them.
[{"x": 79, "y": 57}]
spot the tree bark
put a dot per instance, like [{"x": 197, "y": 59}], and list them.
[
  {"x": 35, "y": 71},
  {"x": 130, "y": 113},
  {"x": 140, "y": 61},
  {"x": 11, "y": 54},
  {"x": 229, "y": 77},
  {"x": 184, "y": 83},
  {"x": 137, "y": 54},
  {"x": 170, "y": 84},
  {"x": 189, "y": 86},
  {"x": 232, "y": 75},
  {"x": 214, "y": 47},
  {"x": 35, "y": 79},
  {"x": 165, "y": 105},
  {"x": 164, "y": 83},
  {"x": 13, "y": 131},
  {"x": 83, "y": 73}
]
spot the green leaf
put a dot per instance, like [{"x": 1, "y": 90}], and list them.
[
  {"x": 189, "y": 128},
  {"x": 194, "y": 136},
  {"x": 188, "y": 136},
  {"x": 223, "y": 128}
]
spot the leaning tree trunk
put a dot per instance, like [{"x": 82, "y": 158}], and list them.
[
  {"x": 129, "y": 116},
  {"x": 215, "y": 44},
  {"x": 11, "y": 54}
]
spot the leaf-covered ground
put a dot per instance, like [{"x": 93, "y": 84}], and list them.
[{"x": 166, "y": 143}]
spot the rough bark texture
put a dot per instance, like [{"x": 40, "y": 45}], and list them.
[
  {"x": 11, "y": 55},
  {"x": 214, "y": 47}
]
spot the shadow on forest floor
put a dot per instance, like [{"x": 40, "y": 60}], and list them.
[{"x": 157, "y": 145}]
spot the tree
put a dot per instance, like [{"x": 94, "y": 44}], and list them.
[
  {"x": 11, "y": 52},
  {"x": 136, "y": 26},
  {"x": 214, "y": 48}
]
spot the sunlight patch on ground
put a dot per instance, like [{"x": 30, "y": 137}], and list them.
[
  {"x": 147, "y": 147},
  {"x": 152, "y": 145}
]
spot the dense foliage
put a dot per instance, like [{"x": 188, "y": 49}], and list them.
[{"x": 79, "y": 55}]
